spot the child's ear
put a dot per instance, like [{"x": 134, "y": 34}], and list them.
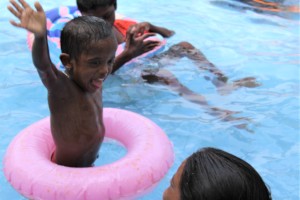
[{"x": 65, "y": 60}]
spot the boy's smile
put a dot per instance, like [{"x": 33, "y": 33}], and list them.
[{"x": 94, "y": 65}]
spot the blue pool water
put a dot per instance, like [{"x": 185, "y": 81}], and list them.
[{"x": 239, "y": 40}]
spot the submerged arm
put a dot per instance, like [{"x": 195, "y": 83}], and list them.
[{"x": 167, "y": 78}]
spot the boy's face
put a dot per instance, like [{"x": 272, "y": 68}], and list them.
[
  {"x": 173, "y": 191},
  {"x": 93, "y": 66},
  {"x": 107, "y": 13}
]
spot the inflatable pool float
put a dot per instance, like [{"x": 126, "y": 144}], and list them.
[
  {"x": 58, "y": 17},
  {"x": 28, "y": 166}
]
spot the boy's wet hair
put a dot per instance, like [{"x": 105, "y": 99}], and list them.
[
  {"x": 86, "y": 5},
  {"x": 215, "y": 174},
  {"x": 79, "y": 33}
]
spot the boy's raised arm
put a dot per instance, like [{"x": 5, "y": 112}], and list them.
[
  {"x": 135, "y": 46},
  {"x": 35, "y": 22}
]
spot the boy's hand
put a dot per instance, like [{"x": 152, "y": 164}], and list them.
[
  {"x": 33, "y": 21},
  {"x": 136, "y": 44},
  {"x": 143, "y": 27}
]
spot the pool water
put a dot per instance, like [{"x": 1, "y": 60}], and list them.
[{"x": 240, "y": 39}]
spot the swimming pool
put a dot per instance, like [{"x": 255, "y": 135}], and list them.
[{"x": 240, "y": 42}]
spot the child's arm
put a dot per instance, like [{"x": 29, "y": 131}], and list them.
[
  {"x": 142, "y": 27},
  {"x": 35, "y": 22},
  {"x": 134, "y": 47},
  {"x": 165, "y": 77}
]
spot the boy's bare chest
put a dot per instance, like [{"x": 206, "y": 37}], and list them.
[
  {"x": 72, "y": 103},
  {"x": 76, "y": 114},
  {"x": 75, "y": 100}
]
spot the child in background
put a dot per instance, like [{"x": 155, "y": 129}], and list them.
[
  {"x": 213, "y": 174},
  {"x": 74, "y": 97},
  {"x": 135, "y": 34},
  {"x": 136, "y": 44}
]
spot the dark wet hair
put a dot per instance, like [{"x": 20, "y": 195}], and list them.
[
  {"x": 213, "y": 174},
  {"x": 79, "y": 33},
  {"x": 86, "y": 5}
]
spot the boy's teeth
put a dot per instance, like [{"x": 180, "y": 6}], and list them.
[{"x": 97, "y": 82}]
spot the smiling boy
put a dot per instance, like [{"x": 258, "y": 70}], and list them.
[{"x": 74, "y": 96}]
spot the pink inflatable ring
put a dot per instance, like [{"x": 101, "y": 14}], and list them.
[{"x": 28, "y": 168}]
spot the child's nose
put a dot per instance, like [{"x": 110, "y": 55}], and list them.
[{"x": 104, "y": 72}]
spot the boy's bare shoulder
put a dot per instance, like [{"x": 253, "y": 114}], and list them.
[{"x": 62, "y": 83}]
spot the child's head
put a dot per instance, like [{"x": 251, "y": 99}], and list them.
[
  {"x": 213, "y": 174},
  {"x": 88, "y": 50},
  {"x": 104, "y": 9},
  {"x": 79, "y": 33}
]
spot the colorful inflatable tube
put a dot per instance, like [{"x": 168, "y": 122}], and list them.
[
  {"x": 58, "y": 17},
  {"x": 27, "y": 164}
]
